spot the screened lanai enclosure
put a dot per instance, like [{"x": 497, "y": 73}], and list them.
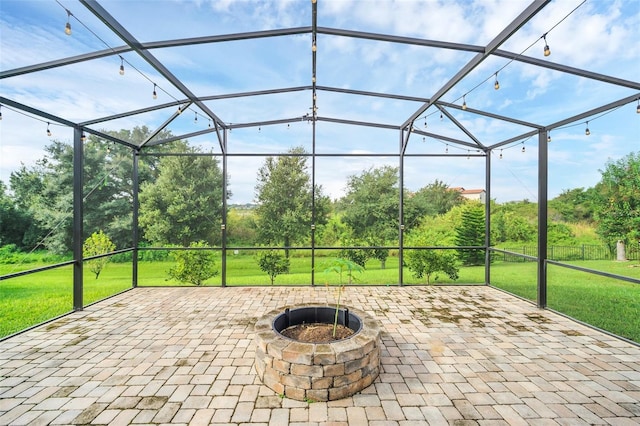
[{"x": 311, "y": 130}]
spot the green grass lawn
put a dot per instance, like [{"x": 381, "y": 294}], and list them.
[{"x": 606, "y": 303}]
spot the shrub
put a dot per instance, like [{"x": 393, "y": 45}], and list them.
[
  {"x": 273, "y": 263},
  {"x": 194, "y": 266}
]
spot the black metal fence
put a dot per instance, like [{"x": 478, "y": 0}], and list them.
[{"x": 559, "y": 253}]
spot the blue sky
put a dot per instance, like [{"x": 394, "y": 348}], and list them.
[{"x": 600, "y": 36}]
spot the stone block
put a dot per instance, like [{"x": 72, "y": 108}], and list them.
[
  {"x": 317, "y": 395},
  {"x": 333, "y": 370},
  {"x": 307, "y": 370},
  {"x": 321, "y": 382},
  {"x": 298, "y": 353},
  {"x": 281, "y": 366},
  {"x": 294, "y": 393},
  {"x": 301, "y": 382}
]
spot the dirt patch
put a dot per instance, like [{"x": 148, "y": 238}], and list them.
[{"x": 316, "y": 332}]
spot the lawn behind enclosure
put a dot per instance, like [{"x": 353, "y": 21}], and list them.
[{"x": 606, "y": 303}]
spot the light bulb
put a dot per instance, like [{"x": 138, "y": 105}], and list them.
[
  {"x": 500, "y": 154},
  {"x": 546, "y": 50},
  {"x": 48, "y": 131},
  {"x": 638, "y": 107},
  {"x": 441, "y": 117},
  {"x": 83, "y": 137},
  {"x": 195, "y": 120},
  {"x": 313, "y": 47},
  {"x": 523, "y": 148},
  {"x": 424, "y": 139},
  {"x": 496, "y": 85},
  {"x": 549, "y": 137},
  {"x": 464, "y": 103},
  {"x": 67, "y": 27},
  {"x": 155, "y": 94},
  {"x": 121, "y": 66},
  {"x": 425, "y": 122},
  {"x": 587, "y": 131},
  {"x": 313, "y": 79},
  {"x": 446, "y": 150}
]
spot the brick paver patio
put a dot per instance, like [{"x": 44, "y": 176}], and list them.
[{"x": 450, "y": 355}]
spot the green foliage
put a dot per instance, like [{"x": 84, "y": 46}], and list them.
[
  {"x": 618, "y": 200},
  {"x": 426, "y": 262},
  {"x": 14, "y": 221},
  {"x": 194, "y": 266},
  {"x": 423, "y": 263},
  {"x": 185, "y": 201},
  {"x": 434, "y": 199},
  {"x": 471, "y": 232},
  {"x": 284, "y": 195},
  {"x": 574, "y": 205},
  {"x": 342, "y": 266},
  {"x": 359, "y": 256},
  {"x": 44, "y": 192},
  {"x": 98, "y": 243},
  {"x": 242, "y": 227},
  {"x": 370, "y": 204},
  {"x": 273, "y": 263}
]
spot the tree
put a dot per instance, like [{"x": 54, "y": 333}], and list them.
[
  {"x": 185, "y": 202},
  {"x": 273, "y": 263},
  {"x": 13, "y": 221},
  {"x": 618, "y": 201},
  {"x": 426, "y": 262},
  {"x": 471, "y": 232},
  {"x": 194, "y": 266},
  {"x": 575, "y": 205},
  {"x": 433, "y": 199},
  {"x": 98, "y": 243},
  {"x": 285, "y": 198},
  {"x": 45, "y": 191},
  {"x": 370, "y": 206}
]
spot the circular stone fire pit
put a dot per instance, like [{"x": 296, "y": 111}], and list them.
[{"x": 317, "y": 371}]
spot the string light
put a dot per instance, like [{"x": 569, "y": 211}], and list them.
[
  {"x": 496, "y": 85},
  {"x": 48, "y": 130},
  {"x": 446, "y": 150},
  {"x": 464, "y": 102},
  {"x": 314, "y": 47},
  {"x": 83, "y": 137},
  {"x": 67, "y": 27},
  {"x": 121, "y": 65},
  {"x": 587, "y": 131},
  {"x": 155, "y": 94},
  {"x": 195, "y": 120},
  {"x": 546, "y": 50},
  {"x": 441, "y": 116},
  {"x": 500, "y": 154},
  {"x": 549, "y": 136},
  {"x": 523, "y": 147},
  {"x": 179, "y": 109},
  {"x": 209, "y": 123},
  {"x": 638, "y": 107},
  {"x": 425, "y": 122},
  {"x": 424, "y": 139},
  {"x": 288, "y": 126}
]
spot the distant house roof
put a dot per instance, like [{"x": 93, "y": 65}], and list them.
[{"x": 467, "y": 191}]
